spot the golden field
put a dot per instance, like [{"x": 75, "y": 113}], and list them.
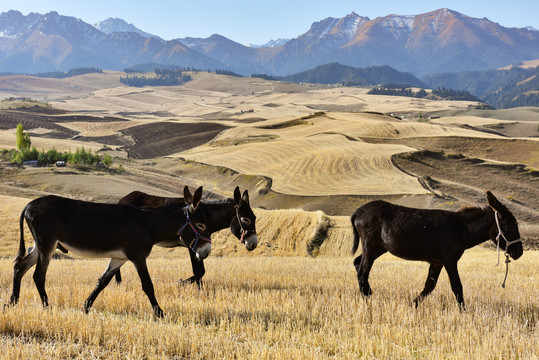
[
  {"x": 272, "y": 303},
  {"x": 276, "y": 308}
]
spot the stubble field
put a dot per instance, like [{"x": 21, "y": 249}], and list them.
[
  {"x": 309, "y": 156},
  {"x": 276, "y": 308}
]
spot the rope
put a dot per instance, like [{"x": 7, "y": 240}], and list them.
[
  {"x": 507, "y": 261},
  {"x": 507, "y": 243}
]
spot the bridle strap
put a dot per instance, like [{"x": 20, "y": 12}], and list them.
[
  {"x": 243, "y": 231},
  {"x": 507, "y": 244},
  {"x": 198, "y": 236},
  {"x": 501, "y": 235}
]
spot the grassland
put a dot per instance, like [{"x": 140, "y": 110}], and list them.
[
  {"x": 272, "y": 303},
  {"x": 276, "y": 308}
]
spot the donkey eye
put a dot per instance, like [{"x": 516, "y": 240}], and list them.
[
  {"x": 201, "y": 227},
  {"x": 246, "y": 221}
]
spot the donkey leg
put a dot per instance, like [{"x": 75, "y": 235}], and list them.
[
  {"x": 118, "y": 277},
  {"x": 359, "y": 269},
  {"x": 456, "y": 285},
  {"x": 430, "y": 284},
  {"x": 365, "y": 264},
  {"x": 104, "y": 280},
  {"x": 19, "y": 269},
  {"x": 198, "y": 270},
  {"x": 147, "y": 286},
  {"x": 44, "y": 255}
]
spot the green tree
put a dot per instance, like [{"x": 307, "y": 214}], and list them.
[
  {"x": 23, "y": 139},
  {"x": 107, "y": 160}
]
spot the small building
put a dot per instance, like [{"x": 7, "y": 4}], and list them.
[{"x": 30, "y": 163}]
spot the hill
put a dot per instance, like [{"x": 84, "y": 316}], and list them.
[
  {"x": 292, "y": 146},
  {"x": 335, "y": 73},
  {"x": 504, "y": 88}
]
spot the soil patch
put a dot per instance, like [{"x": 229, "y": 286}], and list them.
[
  {"x": 165, "y": 138},
  {"x": 509, "y": 150},
  {"x": 49, "y": 119},
  {"x": 467, "y": 179}
]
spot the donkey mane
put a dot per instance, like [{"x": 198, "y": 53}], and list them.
[{"x": 472, "y": 212}]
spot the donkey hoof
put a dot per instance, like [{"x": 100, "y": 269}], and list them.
[
  {"x": 12, "y": 301},
  {"x": 191, "y": 280},
  {"x": 87, "y": 306},
  {"x": 158, "y": 312},
  {"x": 366, "y": 291}
]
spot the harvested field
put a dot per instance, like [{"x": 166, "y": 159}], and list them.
[
  {"x": 165, "y": 138},
  {"x": 466, "y": 178},
  {"x": 322, "y": 155},
  {"x": 275, "y": 308},
  {"x": 517, "y": 151},
  {"x": 45, "y": 89}
]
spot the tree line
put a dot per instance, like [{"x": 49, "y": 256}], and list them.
[
  {"x": 444, "y": 93},
  {"x": 26, "y": 152},
  {"x": 163, "y": 77},
  {"x": 227, "y": 72},
  {"x": 60, "y": 74}
]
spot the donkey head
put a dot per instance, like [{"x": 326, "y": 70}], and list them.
[
  {"x": 243, "y": 224},
  {"x": 505, "y": 230},
  {"x": 200, "y": 240}
]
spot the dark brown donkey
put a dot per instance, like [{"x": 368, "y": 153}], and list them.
[
  {"x": 234, "y": 213},
  {"x": 119, "y": 232},
  {"x": 436, "y": 236}
]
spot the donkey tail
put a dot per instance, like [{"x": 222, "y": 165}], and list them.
[
  {"x": 356, "y": 234},
  {"x": 22, "y": 248}
]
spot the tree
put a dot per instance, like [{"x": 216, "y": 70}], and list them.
[
  {"x": 107, "y": 160},
  {"x": 23, "y": 139}
]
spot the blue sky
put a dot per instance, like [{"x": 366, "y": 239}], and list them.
[{"x": 256, "y": 22}]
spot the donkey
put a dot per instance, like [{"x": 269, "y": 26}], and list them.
[
  {"x": 438, "y": 237},
  {"x": 119, "y": 232},
  {"x": 236, "y": 214}
]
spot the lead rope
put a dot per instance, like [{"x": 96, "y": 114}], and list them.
[
  {"x": 507, "y": 243},
  {"x": 507, "y": 261}
]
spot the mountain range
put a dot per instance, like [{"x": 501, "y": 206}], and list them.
[{"x": 439, "y": 41}]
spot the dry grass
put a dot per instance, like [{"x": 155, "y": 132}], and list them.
[
  {"x": 276, "y": 308},
  {"x": 270, "y": 307}
]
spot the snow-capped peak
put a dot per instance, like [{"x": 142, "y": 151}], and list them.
[
  {"x": 271, "y": 43},
  {"x": 112, "y": 25},
  {"x": 399, "y": 25}
]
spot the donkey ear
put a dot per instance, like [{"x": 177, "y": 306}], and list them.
[
  {"x": 494, "y": 203},
  {"x": 245, "y": 197},
  {"x": 237, "y": 195},
  {"x": 196, "y": 198},
  {"x": 187, "y": 197}
]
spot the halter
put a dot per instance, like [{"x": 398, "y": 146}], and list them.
[
  {"x": 507, "y": 244},
  {"x": 195, "y": 231},
  {"x": 243, "y": 231}
]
